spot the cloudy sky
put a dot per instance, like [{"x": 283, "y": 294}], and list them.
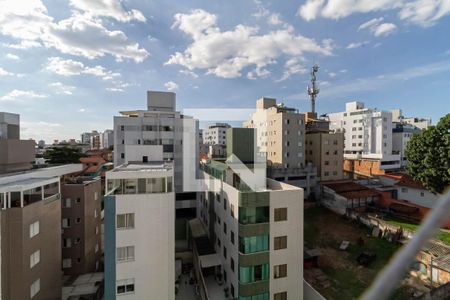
[{"x": 69, "y": 66}]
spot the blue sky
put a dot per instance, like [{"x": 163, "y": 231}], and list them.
[{"x": 69, "y": 67}]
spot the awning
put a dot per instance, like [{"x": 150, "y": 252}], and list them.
[{"x": 210, "y": 260}]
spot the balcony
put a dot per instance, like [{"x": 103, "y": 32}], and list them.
[{"x": 254, "y": 288}]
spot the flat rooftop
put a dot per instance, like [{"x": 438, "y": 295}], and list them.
[{"x": 144, "y": 167}]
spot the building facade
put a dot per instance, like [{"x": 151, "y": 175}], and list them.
[
  {"x": 401, "y": 134},
  {"x": 107, "y": 139},
  {"x": 326, "y": 151},
  {"x": 257, "y": 233},
  {"x": 81, "y": 222},
  {"x": 215, "y": 134},
  {"x": 280, "y": 138},
  {"x": 30, "y": 219},
  {"x": 15, "y": 154},
  {"x": 140, "y": 232},
  {"x": 368, "y": 139}
]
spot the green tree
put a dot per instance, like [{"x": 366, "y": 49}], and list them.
[
  {"x": 428, "y": 154},
  {"x": 63, "y": 155}
]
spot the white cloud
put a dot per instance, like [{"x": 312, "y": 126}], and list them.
[
  {"x": 332, "y": 74},
  {"x": 292, "y": 66},
  {"x": 171, "y": 86},
  {"x": 62, "y": 88},
  {"x": 40, "y": 130},
  {"x": 378, "y": 28},
  {"x": 420, "y": 12},
  {"x": 108, "y": 8},
  {"x": 69, "y": 67},
  {"x": 226, "y": 53},
  {"x": 3, "y": 72},
  {"x": 15, "y": 94},
  {"x": 12, "y": 56},
  {"x": 357, "y": 45},
  {"x": 82, "y": 110},
  {"x": 190, "y": 73},
  {"x": 28, "y": 22},
  {"x": 310, "y": 9}
]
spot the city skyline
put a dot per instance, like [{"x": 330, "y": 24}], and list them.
[{"x": 87, "y": 65}]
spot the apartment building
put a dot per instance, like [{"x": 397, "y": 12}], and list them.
[
  {"x": 95, "y": 140},
  {"x": 81, "y": 223},
  {"x": 107, "y": 139},
  {"x": 158, "y": 133},
  {"x": 15, "y": 154},
  {"x": 368, "y": 139},
  {"x": 140, "y": 231},
  {"x": 421, "y": 123},
  {"x": 215, "y": 134},
  {"x": 401, "y": 134},
  {"x": 257, "y": 234},
  {"x": 30, "y": 231},
  {"x": 281, "y": 140},
  {"x": 86, "y": 137},
  {"x": 326, "y": 151}
]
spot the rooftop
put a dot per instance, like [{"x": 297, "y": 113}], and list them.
[
  {"x": 144, "y": 167},
  {"x": 350, "y": 189}
]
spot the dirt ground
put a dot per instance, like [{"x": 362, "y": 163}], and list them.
[{"x": 341, "y": 277}]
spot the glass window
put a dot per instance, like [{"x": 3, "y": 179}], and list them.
[
  {"x": 253, "y": 244},
  {"x": 125, "y": 253},
  {"x": 34, "y": 229},
  {"x": 253, "y": 273},
  {"x": 252, "y": 215},
  {"x": 280, "y": 296},
  {"x": 35, "y": 258},
  {"x": 125, "y": 221},
  {"x": 169, "y": 184},
  {"x": 35, "y": 287},
  {"x": 279, "y": 271},
  {"x": 125, "y": 286}
]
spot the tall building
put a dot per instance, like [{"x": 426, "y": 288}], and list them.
[
  {"x": 86, "y": 137},
  {"x": 81, "y": 223},
  {"x": 15, "y": 154},
  {"x": 256, "y": 233},
  {"x": 31, "y": 233},
  {"x": 140, "y": 231},
  {"x": 215, "y": 134},
  {"x": 95, "y": 140},
  {"x": 368, "y": 139},
  {"x": 281, "y": 139},
  {"x": 401, "y": 134},
  {"x": 421, "y": 123},
  {"x": 107, "y": 139}
]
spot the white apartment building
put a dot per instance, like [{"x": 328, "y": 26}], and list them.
[
  {"x": 215, "y": 134},
  {"x": 159, "y": 128},
  {"x": 401, "y": 134},
  {"x": 140, "y": 232},
  {"x": 258, "y": 234},
  {"x": 280, "y": 138},
  {"x": 367, "y": 133}
]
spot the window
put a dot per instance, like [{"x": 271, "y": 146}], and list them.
[
  {"x": 404, "y": 190},
  {"x": 253, "y": 244},
  {"x": 122, "y": 155},
  {"x": 35, "y": 287},
  {"x": 422, "y": 194},
  {"x": 326, "y": 173},
  {"x": 279, "y": 271},
  {"x": 232, "y": 286},
  {"x": 232, "y": 210},
  {"x": 125, "y": 286},
  {"x": 65, "y": 223},
  {"x": 253, "y": 215},
  {"x": 224, "y": 252},
  {"x": 280, "y": 214},
  {"x": 224, "y": 227},
  {"x": 35, "y": 258},
  {"x": 96, "y": 196},
  {"x": 67, "y": 243},
  {"x": 280, "y": 296},
  {"x": 255, "y": 273},
  {"x": 67, "y": 203},
  {"x": 96, "y": 248},
  {"x": 77, "y": 241},
  {"x": 224, "y": 203},
  {"x": 232, "y": 237},
  {"x": 78, "y": 220},
  {"x": 232, "y": 264},
  {"x": 96, "y": 229},
  {"x": 78, "y": 200},
  {"x": 280, "y": 242},
  {"x": 95, "y": 213},
  {"x": 34, "y": 229},
  {"x": 67, "y": 263},
  {"x": 125, "y": 221},
  {"x": 125, "y": 253}
]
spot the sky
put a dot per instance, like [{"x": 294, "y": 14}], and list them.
[{"x": 69, "y": 66}]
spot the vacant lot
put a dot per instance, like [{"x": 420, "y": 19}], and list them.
[{"x": 326, "y": 230}]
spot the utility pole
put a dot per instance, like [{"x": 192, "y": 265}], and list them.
[{"x": 313, "y": 90}]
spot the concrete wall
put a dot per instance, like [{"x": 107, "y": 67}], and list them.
[{"x": 16, "y": 155}]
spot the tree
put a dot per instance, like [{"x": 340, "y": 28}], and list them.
[
  {"x": 428, "y": 154},
  {"x": 63, "y": 155}
]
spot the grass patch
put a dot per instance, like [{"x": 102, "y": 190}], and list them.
[{"x": 442, "y": 235}]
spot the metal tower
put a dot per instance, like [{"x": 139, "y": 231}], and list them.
[{"x": 313, "y": 90}]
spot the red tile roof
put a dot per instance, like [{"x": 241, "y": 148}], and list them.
[
  {"x": 408, "y": 181},
  {"x": 92, "y": 159}
]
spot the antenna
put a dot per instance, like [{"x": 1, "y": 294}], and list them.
[{"x": 313, "y": 90}]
